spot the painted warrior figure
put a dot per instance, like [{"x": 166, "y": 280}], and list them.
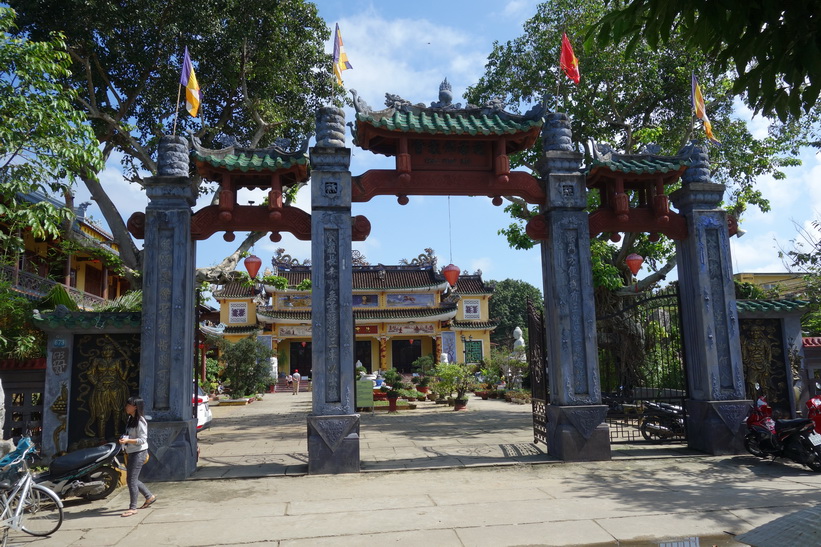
[
  {"x": 109, "y": 391},
  {"x": 756, "y": 354}
]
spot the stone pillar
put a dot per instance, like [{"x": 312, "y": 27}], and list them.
[
  {"x": 333, "y": 426},
  {"x": 716, "y": 409},
  {"x": 576, "y": 428},
  {"x": 167, "y": 345}
]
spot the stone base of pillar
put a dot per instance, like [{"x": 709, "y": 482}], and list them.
[
  {"x": 172, "y": 449},
  {"x": 717, "y": 427},
  {"x": 333, "y": 444},
  {"x": 578, "y": 433}
]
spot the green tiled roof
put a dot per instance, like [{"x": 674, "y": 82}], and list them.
[
  {"x": 771, "y": 305},
  {"x": 447, "y": 122},
  {"x": 250, "y": 159},
  {"x": 640, "y": 164},
  {"x": 87, "y": 320}
]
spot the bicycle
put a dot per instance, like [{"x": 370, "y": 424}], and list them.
[{"x": 24, "y": 505}]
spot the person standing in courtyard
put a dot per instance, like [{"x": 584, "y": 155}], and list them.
[
  {"x": 135, "y": 443},
  {"x": 297, "y": 377}
]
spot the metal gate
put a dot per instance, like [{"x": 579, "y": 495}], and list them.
[
  {"x": 538, "y": 371},
  {"x": 641, "y": 358}
]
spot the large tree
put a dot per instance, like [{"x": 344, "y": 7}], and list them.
[
  {"x": 44, "y": 143},
  {"x": 261, "y": 66},
  {"x": 508, "y": 306},
  {"x": 775, "y": 47},
  {"x": 629, "y": 100}
]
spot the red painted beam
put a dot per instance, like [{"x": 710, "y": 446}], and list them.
[{"x": 386, "y": 182}]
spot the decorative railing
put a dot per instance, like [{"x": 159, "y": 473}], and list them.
[{"x": 38, "y": 287}]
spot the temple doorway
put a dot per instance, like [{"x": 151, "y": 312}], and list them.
[
  {"x": 300, "y": 358},
  {"x": 405, "y": 352},
  {"x": 362, "y": 354}
]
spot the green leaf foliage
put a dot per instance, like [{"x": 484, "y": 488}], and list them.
[
  {"x": 774, "y": 47},
  {"x": 45, "y": 143},
  {"x": 247, "y": 366},
  {"x": 508, "y": 306}
]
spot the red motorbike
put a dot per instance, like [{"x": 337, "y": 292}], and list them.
[
  {"x": 795, "y": 440},
  {"x": 814, "y": 412}
]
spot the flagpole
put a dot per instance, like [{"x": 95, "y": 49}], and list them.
[{"x": 176, "y": 110}]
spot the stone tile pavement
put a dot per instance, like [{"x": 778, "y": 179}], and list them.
[{"x": 467, "y": 479}]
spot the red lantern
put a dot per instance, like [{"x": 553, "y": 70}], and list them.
[
  {"x": 253, "y": 264},
  {"x": 451, "y": 274},
  {"x": 410, "y": 341},
  {"x": 304, "y": 344},
  {"x": 634, "y": 262}
]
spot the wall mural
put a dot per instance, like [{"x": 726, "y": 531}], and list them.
[
  {"x": 762, "y": 354},
  {"x": 410, "y": 300},
  {"x": 365, "y": 300},
  {"x": 105, "y": 373}
]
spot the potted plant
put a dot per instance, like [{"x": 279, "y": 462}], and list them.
[
  {"x": 392, "y": 395},
  {"x": 424, "y": 384},
  {"x": 459, "y": 377},
  {"x": 394, "y": 384}
]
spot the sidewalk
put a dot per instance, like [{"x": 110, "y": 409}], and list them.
[{"x": 488, "y": 486}]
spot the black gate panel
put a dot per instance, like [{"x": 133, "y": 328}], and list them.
[
  {"x": 538, "y": 371},
  {"x": 641, "y": 358}
]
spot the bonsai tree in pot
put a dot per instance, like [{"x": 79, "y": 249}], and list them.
[
  {"x": 394, "y": 381},
  {"x": 459, "y": 378}
]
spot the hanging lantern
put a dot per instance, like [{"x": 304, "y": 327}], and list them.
[
  {"x": 451, "y": 274},
  {"x": 410, "y": 341},
  {"x": 252, "y": 265},
  {"x": 304, "y": 344},
  {"x": 634, "y": 262}
]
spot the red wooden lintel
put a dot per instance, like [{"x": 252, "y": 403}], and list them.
[
  {"x": 638, "y": 220},
  {"x": 386, "y": 182},
  {"x": 258, "y": 218}
]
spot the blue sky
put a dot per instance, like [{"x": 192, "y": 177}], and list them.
[{"x": 409, "y": 51}]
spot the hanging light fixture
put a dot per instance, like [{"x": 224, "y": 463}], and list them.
[
  {"x": 451, "y": 271},
  {"x": 252, "y": 264},
  {"x": 634, "y": 262}
]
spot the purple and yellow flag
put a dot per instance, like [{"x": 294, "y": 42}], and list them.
[
  {"x": 340, "y": 57},
  {"x": 192, "y": 89},
  {"x": 701, "y": 111}
]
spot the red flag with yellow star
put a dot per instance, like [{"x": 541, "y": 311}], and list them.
[{"x": 568, "y": 61}]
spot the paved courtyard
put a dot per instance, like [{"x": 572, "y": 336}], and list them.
[{"x": 467, "y": 479}]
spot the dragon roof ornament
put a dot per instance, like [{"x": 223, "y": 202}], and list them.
[{"x": 395, "y": 103}]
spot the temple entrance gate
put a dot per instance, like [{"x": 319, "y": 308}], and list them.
[{"x": 443, "y": 150}]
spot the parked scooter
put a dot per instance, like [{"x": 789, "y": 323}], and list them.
[
  {"x": 814, "y": 412},
  {"x": 661, "y": 421},
  {"x": 89, "y": 473},
  {"x": 794, "y": 440}
]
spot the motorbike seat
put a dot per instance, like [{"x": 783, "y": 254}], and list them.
[
  {"x": 79, "y": 458},
  {"x": 786, "y": 425}
]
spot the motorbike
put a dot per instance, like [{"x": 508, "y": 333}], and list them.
[
  {"x": 814, "y": 411},
  {"x": 661, "y": 421},
  {"x": 90, "y": 473},
  {"x": 794, "y": 440}
]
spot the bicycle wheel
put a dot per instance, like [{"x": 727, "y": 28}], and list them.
[{"x": 42, "y": 513}]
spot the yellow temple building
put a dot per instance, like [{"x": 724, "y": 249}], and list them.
[{"x": 400, "y": 312}]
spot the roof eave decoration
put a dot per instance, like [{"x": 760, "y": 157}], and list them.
[
  {"x": 606, "y": 162},
  {"x": 249, "y": 163},
  {"x": 443, "y": 119}
]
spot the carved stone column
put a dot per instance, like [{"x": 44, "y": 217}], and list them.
[
  {"x": 575, "y": 417},
  {"x": 167, "y": 343},
  {"x": 716, "y": 409},
  {"x": 333, "y": 426}
]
